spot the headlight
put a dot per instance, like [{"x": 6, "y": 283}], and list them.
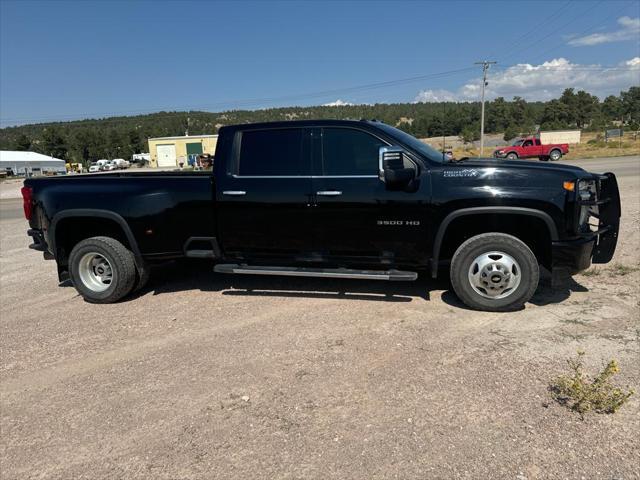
[{"x": 587, "y": 189}]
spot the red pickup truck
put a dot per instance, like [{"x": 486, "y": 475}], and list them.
[{"x": 531, "y": 147}]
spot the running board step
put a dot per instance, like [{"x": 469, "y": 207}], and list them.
[{"x": 317, "y": 272}]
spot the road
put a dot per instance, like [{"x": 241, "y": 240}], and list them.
[
  {"x": 203, "y": 376},
  {"x": 10, "y": 209},
  {"x": 621, "y": 166}
]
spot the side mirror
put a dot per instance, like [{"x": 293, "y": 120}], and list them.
[{"x": 396, "y": 171}]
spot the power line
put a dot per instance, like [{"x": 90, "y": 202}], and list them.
[
  {"x": 586, "y": 30},
  {"x": 582, "y": 14},
  {"x": 570, "y": 67},
  {"x": 537, "y": 28},
  {"x": 261, "y": 101},
  {"x": 234, "y": 104}
]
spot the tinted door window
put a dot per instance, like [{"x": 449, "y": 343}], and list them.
[
  {"x": 347, "y": 151},
  {"x": 276, "y": 152}
]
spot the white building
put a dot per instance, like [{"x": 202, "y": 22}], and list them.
[
  {"x": 560, "y": 136},
  {"x": 30, "y": 163}
]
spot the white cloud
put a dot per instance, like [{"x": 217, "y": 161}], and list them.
[
  {"x": 544, "y": 81},
  {"x": 427, "y": 96},
  {"x": 630, "y": 30},
  {"x": 338, "y": 103}
]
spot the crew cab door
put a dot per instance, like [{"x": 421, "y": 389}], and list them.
[
  {"x": 263, "y": 197},
  {"x": 356, "y": 218}
]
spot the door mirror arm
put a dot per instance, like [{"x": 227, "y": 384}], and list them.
[{"x": 396, "y": 171}]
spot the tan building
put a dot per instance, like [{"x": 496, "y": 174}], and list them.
[
  {"x": 560, "y": 136},
  {"x": 169, "y": 152}
]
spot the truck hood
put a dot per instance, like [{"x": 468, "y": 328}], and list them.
[{"x": 532, "y": 165}]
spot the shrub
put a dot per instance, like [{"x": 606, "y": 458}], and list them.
[
  {"x": 510, "y": 133},
  {"x": 581, "y": 394}
]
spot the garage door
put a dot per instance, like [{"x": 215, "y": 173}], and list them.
[{"x": 167, "y": 156}]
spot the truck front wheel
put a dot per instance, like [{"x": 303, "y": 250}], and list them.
[
  {"x": 512, "y": 156},
  {"x": 494, "y": 272},
  {"x": 102, "y": 269}
]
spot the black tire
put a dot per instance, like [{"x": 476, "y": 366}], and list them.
[
  {"x": 543, "y": 159},
  {"x": 120, "y": 261},
  {"x": 512, "y": 156},
  {"x": 465, "y": 257},
  {"x": 555, "y": 155}
]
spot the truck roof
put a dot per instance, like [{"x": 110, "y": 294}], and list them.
[{"x": 303, "y": 123}]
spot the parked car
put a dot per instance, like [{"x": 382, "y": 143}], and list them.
[
  {"x": 94, "y": 168},
  {"x": 531, "y": 147},
  {"x": 109, "y": 166},
  {"x": 141, "y": 158},
  {"x": 120, "y": 163},
  {"x": 329, "y": 198}
]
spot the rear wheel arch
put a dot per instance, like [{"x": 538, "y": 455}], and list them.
[
  {"x": 69, "y": 227},
  {"x": 534, "y": 227}
]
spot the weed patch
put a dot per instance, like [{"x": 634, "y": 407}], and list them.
[
  {"x": 621, "y": 270},
  {"x": 582, "y": 394},
  {"x": 592, "y": 272}
]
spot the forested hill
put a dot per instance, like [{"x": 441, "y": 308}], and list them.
[{"x": 89, "y": 140}]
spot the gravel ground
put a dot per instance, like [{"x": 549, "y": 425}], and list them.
[{"x": 210, "y": 376}]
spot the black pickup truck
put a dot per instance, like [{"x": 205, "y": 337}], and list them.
[{"x": 329, "y": 198}]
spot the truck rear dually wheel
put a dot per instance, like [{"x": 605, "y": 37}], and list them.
[
  {"x": 494, "y": 272},
  {"x": 102, "y": 269}
]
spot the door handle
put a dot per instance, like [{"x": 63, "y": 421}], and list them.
[
  {"x": 329, "y": 193},
  {"x": 235, "y": 193}
]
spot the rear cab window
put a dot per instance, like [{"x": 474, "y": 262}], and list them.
[{"x": 276, "y": 152}]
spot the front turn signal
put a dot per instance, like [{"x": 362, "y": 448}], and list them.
[{"x": 569, "y": 186}]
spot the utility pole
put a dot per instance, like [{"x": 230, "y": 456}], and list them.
[{"x": 485, "y": 66}]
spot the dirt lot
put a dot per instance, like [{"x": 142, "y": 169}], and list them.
[{"x": 209, "y": 376}]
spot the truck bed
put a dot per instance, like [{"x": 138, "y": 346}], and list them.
[{"x": 163, "y": 209}]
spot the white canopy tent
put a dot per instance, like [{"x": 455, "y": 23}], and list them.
[{"x": 29, "y": 163}]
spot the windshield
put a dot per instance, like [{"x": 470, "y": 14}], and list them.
[
  {"x": 517, "y": 143},
  {"x": 413, "y": 143}
]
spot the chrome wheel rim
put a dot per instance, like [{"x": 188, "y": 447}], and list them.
[
  {"x": 495, "y": 275},
  {"x": 555, "y": 156},
  {"x": 95, "y": 272}
]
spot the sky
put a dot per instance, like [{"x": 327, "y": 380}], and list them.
[{"x": 88, "y": 59}]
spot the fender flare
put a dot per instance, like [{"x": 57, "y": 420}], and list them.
[
  {"x": 442, "y": 229},
  {"x": 93, "y": 212}
]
